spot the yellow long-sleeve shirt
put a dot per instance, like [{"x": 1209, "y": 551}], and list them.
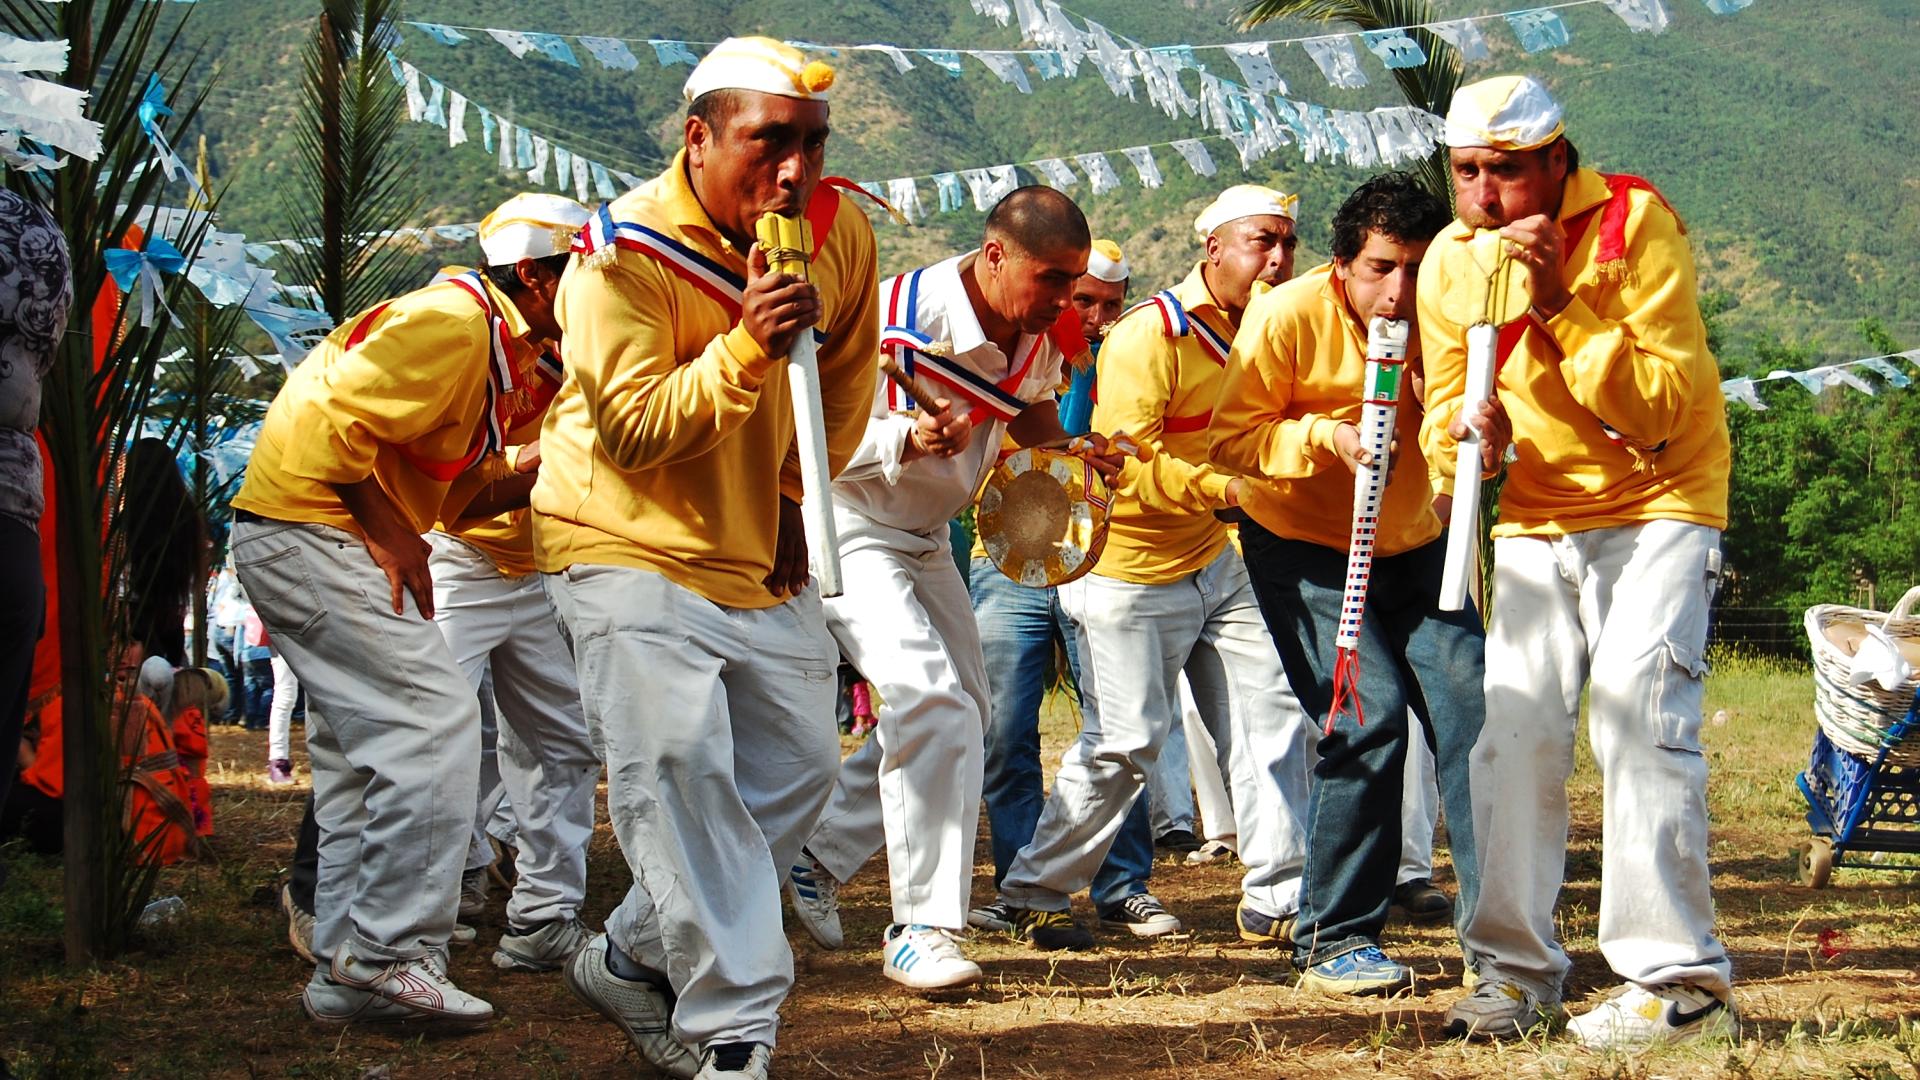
[
  {"x": 416, "y": 379},
  {"x": 1296, "y": 373},
  {"x": 670, "y": 441},
  {"x": 1630, "y": 353},
  {"x": 505, "y": 539},
  {"x": 1161, "y": 390}
]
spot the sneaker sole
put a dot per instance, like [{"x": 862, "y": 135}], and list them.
[
  {"x": 411, "y": 1017},
  {"x": 1283, "y": 935},
  {"x": 1143, "y": 930},
  {"x": 507, "y": 961},
  {"x": 1353, "y": 987},
  {"x": 820, "y": 937},
  {"x": 991, "y": 926},
  {"x": 964, "y": 978},
  {"x": 684, "y": 1069}
]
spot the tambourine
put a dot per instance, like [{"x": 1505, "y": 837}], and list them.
[{"x": 1043, "y": 517}]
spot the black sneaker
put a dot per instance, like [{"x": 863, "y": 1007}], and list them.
[
  {"x": 1178, "y": 840},
  {"x": 1420, "y": 902},
  {"x": 1050, "y": 930},
  {"x": 1141, "y": 914},
  {"x": 996, "y": 917}
]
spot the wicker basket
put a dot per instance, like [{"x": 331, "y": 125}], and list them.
[{"x": 1856, "y": 718}]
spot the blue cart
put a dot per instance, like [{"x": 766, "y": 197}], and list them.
[{"x": 1859, "y": 806}]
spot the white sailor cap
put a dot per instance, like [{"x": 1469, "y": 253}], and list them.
[
  {"x": 1246, "y": 200},
  {"x": 531, "y": 225},
  {"x": 1106, "y": 263},
  {"x": 762, "y": 64},
  {"x": 1508, "y": 112}
]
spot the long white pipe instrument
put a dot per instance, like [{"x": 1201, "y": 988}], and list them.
[
  {"x": 1503, "y": 296},
  {"x": 1380, "y": 404},
  {"x": 787, "y": 243}
]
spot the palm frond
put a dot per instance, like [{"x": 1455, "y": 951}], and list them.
[
  {"x": 1429, "y": 86},
  {"x": 353, "y": 187}
]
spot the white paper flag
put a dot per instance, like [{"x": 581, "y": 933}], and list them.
[
  {"x": 1143, "y": 163},
  {"x": 1056, "y": 172},
  {"x": 1256, "y": 68},
  {"x": 562, "y": 165},
  {"x": 456, "y": 118},
  {"x": 997, "y": 10},
  {"x": 1337, "y": 60},
  {"x": 1099, "y": 173},
  {"x": 416, "y": 101},
  {"x": 580, "y": 176},
  {"x": 539, "y": 169},
  {"x": 506, "y": 144},
  {"x": 1464, "y": 36},
  {"x": 1641, "y": 16},
  {"x": 1197, "y": 158},
  {"x": 904, "y": 194},
  {"x": 1007, "y": 66},
  {"x": 516, "y": 42}
]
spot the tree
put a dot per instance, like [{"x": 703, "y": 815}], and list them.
[
  {"x": 1429, "y": 86},
  {"x": 93, "y": 402}
]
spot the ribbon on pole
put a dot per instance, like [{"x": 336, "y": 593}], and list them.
[{"x": 143, "y": 268}]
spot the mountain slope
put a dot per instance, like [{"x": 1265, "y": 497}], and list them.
[{"x": 1781, "y": 134}]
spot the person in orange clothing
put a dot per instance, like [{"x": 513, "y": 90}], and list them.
[
  {"x": 196, "y": 693},
  {"x": 1288, "y": 422},
  {"x": 1605, "y": 563}
]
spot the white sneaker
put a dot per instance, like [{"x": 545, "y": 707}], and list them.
[
  {"x": 545, "y": 949},
  {"x": 816, "y": 900},
  {"x": 642, "y": 1010},
  {"x": 736, "y": 1061},
  {"x": 418, "y": 984},
  {"x": 926, "y": 958},
  {"x": 335, "y": 1004},
  {"x": 1211, "y": 851},
  {"x": 1643, "y": 1016}
]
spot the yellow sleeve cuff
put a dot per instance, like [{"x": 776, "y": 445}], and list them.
[
  {"x": 1214, "y": 486},
  {"x": 746, "y": 352},
  {"x": 1320, "y": 433}
]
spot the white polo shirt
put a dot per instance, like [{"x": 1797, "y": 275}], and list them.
[{"x": 924, "y": 494}]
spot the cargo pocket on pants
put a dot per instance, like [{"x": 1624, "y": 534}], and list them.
[{"x": 1678, "y": 696}]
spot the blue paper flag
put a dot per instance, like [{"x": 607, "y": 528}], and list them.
[
  {"x": 555, "y": 47},
  {"x": 1727, "y": 7},
  {"x": 487, "y": 126},
  {"x": 952, "y": 192},
  {"x": 1048, "y": 64},
  {"x": 445, "y": 35},
  {"x": 1394, "y": 48},
  {"x": 946, "y": 58},
  {"x": 670, "y": 53},
  {"x": 522, "y": 147},
  {"x": 611, "y": 52},
  {"x": 1538, "y": 30},
  {"x": 436, "y": 113}
]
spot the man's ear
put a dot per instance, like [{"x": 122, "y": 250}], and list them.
[
  {"x": 1342, "y": 268},
  {"x": 698, "y": 138},
  {"x": 1213, "y": 249},
  {"x": 994, "y": 253}
]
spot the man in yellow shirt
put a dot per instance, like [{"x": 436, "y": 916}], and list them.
[
  {"x": 1288, "y": 421},
  {"x": 497, "y": 620},
  {"x": 397, "y": 420},
  {"x": 1170, "y": 594},
  {"x": 666, "y": 520},
  {"x": 1605, "y": 562}
]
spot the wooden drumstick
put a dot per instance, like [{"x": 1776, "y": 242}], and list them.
[{"x": 908, "y": 385}]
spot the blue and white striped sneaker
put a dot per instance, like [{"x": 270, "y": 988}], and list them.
[
  {"x": 816, "y": 900},
  {"x": 926, "y": 958},
  {"x": 1365, "y": 970}
]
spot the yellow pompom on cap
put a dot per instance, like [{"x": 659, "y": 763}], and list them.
[{"x": 816, "y": 78}]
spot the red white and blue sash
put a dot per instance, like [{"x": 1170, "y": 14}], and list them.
[
  {"x": 1177, "y": 323},
  {"x": 499, "y": 412},
  {"x": 999, "y": 401},
  {"x": 602, "y": 233}
]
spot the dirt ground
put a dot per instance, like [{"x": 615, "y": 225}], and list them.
[{"x": 1827, "y": 978}]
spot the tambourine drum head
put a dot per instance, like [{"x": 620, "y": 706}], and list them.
[{"x": 1036, "y": 519}]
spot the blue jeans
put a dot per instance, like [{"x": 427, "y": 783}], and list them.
[
  {"x": 1412, "y": 655},
  {"x": 257, "y": 676},
  {"x": 1018, "y": 628}
]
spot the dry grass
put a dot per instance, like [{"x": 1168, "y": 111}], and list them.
[{"x": 1827, "y": 980}]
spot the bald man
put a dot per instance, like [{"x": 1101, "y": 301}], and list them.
[{"x": 906, "y": 621}]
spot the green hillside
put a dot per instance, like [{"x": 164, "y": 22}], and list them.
[{"x": 1782, "y": 134}]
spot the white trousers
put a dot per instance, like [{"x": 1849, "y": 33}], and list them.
[
  {"x": 546, "y": 763},
  {"x": 1210, "y": 794},
  {"x": 393, "y": 737},
  {"x": 1134, "y": 642},
  {"x": 1623, "y": 611},
  {"x": 716, "y": 725},
  {"x": 906, "y": 624},
  {"x": 286, "y": 693},
  {"x": 1419, "y": 808}
]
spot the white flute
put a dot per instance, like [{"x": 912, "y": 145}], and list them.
[
  {"x": 788, "y": 243},
  {"x": 1463, "y": 528},
  {"x": 810, "y": 433}
]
